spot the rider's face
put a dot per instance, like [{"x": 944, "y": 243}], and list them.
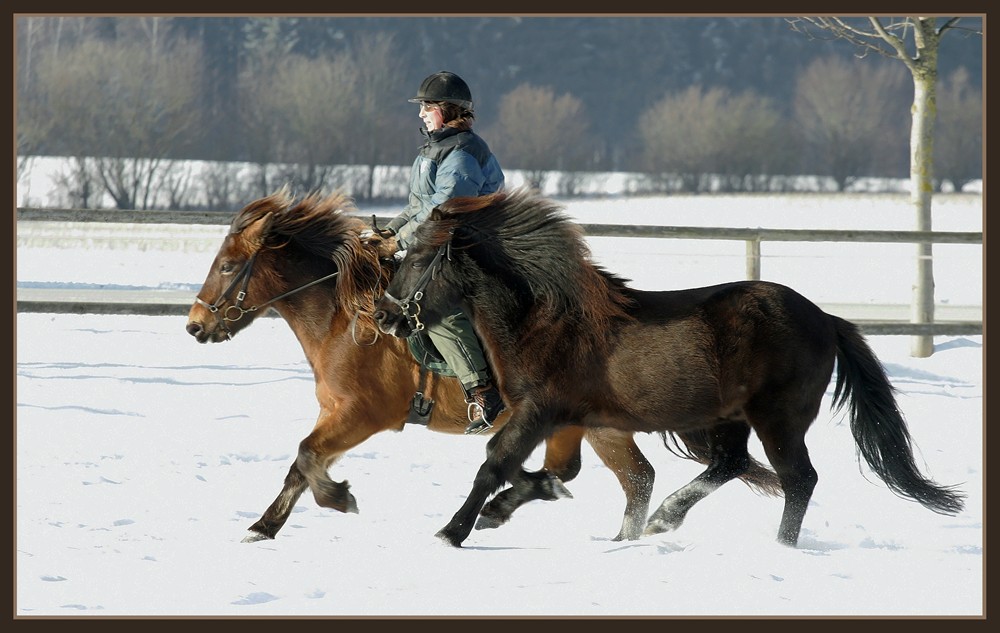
[{"x": 430, "y": 114}]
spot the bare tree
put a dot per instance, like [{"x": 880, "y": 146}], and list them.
[
  {"x": 706, "y": 139},
  {"x": 130, "y": 108},
  {"x": 848, "y": 116},
  {"x": 680, "y": 138},
  {"x": 374, "y": 136},
  {"x": 315, "y": 100},
  {"x": 958, "y": 143},
  {"x": 256, "y": 107},
  {"x": 38, "y": 38},
  {"x": 753, "y": 147},
  {"x": 27, "y": 128},
  {"x": 79, "y": 187},
  {"x": 226, "y": 186},
  {"x": 539, "y": 132},
  {"x": 298, "y": 112},
  {"x": 913, "y": 41}
]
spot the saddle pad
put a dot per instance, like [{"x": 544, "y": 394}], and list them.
[{"x": 426, "y": 354}]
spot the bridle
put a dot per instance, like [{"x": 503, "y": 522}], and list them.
[
  {"x": 410, "y": 306},
  {"x": 235, "y": 311}
]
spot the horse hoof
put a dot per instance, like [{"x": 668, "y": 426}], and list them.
[
  {"x": 489, "y": 522},
  {"x": 558, "y": 490},
  {"x": 349, "y": 504},
  {"x": 336, "y": 496},
  {"x": 450, "y": 540},
  {"x": 659, "y": 527},
  {"x": 253, "y": 537}
]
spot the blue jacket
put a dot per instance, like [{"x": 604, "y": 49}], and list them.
[{"x": 451, "y": 163}]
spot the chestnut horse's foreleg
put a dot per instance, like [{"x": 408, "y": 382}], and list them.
[
  {"x": 332, "y": 436},
  {"x": 729, "y": 459},
  {"x": 508, "y": 450},
  {"x": 562, "y": 464},
  {"x": 339, "y": 429},
  {"x": 619, "y": 452},
  {"x": 327, "y": 492},
  {"x": 279, "y": 510}
]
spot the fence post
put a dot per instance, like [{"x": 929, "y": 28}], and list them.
[
  {"x": 753, "y": 258},
  {"x": 922, "y": 309}
]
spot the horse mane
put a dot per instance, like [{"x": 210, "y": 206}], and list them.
[
  {"x": 321, "y": 226},
  {"x": 533, "y": 237},
  {"x": 277, "y": 202}
]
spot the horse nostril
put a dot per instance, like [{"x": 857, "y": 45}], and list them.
[
  {"x": 380, "y": 316},
  {"x": 194, "y": 329}
]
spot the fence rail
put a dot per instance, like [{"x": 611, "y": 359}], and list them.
[{"x": 116, "y": 302}]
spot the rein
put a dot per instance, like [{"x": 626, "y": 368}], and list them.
[
  {"x": 412, "y": 301},
  {"x": 236, "y": 311}
]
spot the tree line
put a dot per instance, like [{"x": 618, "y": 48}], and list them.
[{"x": 307, "y": 101}]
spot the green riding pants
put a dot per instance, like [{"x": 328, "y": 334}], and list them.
[{"x": 456, "y": 340}]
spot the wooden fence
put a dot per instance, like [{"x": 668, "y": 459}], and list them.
[{"x": 753, "y": 237}]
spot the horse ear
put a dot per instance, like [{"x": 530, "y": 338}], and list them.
[
  {"x": 257, "y": 231},
  {"x": 436, "y": 214}
]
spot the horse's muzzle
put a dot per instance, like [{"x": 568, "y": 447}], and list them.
[
  {"x": 203, "y": 335},
  {"x": 391, "y": 321}
]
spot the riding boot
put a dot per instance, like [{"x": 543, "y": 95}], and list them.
[{"x": 485, "y": 404}]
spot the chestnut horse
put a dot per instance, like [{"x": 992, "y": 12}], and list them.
[
  {"x": 307, "y": 261},
  {"x": 573, "y": 344}
]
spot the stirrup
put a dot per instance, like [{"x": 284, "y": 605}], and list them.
[{"x": 478, "y": 424}]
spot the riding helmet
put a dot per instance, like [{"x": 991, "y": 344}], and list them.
[{"x": 445, "y": 86}]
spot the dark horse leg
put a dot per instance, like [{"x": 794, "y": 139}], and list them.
[
  {"x": 788, "y": 454},
  {"x": 618, "y": 451},
  {"x": 562, "y": 464},
  {"x": 729, "y": 459},
  {"x": 507, "y": 450}
]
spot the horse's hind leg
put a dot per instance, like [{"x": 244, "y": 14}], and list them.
[
  {"x": 278, "y": 512},
  {"x": 619, "y": 452},
  {"x": 787, "y": 452},
  {"x": 562, "y": 463},
  {"x": 729, "y": 459}
]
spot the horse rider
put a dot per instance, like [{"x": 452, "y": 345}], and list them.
[{"x": 453, "y": 161}]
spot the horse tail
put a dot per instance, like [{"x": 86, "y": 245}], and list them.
[
  {"x": 694, "y": 445},
  {"x": 878, "y": 427}
]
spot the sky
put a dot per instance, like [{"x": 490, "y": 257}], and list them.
[{"x": 142, "y": 457}]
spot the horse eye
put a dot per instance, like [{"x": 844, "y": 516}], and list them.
[{"x": 227, "y": 267}]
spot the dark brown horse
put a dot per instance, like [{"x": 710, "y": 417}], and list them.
[
  {"x": 306, "y": 260},
  {"x": 573, "y": 344}
]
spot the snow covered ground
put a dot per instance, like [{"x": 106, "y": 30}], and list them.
[{"x": 142, "y": 457}]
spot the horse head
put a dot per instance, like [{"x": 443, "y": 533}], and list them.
[
  {"x": 420, "y": 289},
  {"x": 276, "y": 249}
]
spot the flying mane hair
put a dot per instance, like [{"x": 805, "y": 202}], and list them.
[
  {"x": 323, "y": 227},
  {"x": 533, "y": 237}
]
